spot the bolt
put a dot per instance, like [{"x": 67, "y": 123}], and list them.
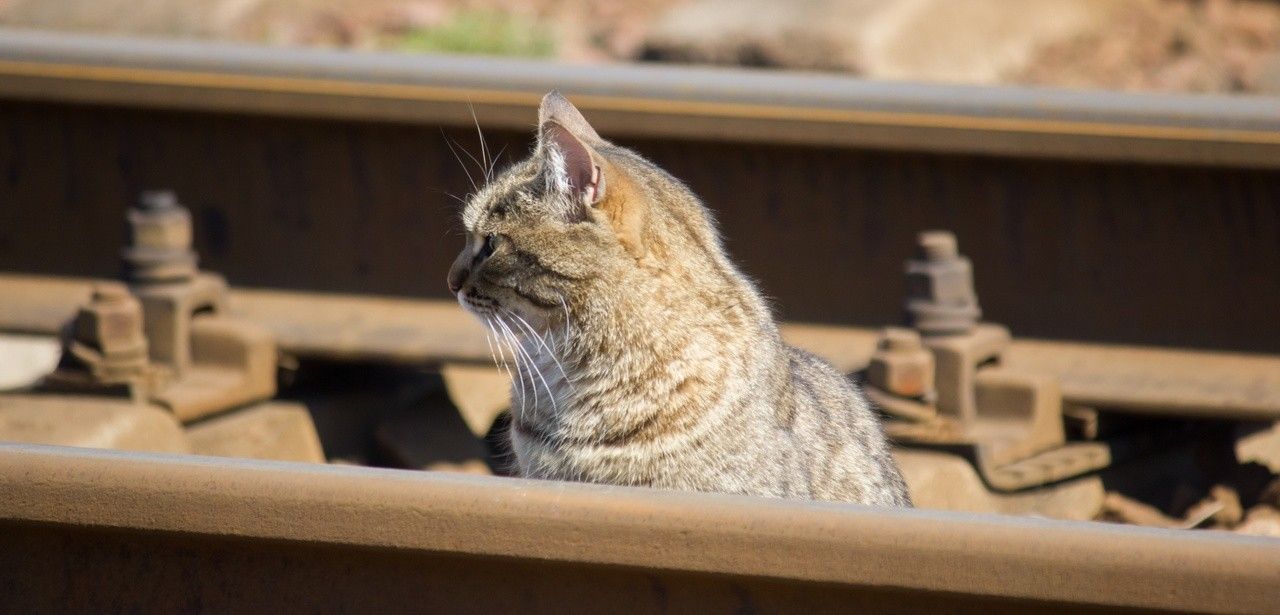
[
  {"x": 153, "y": 200},
  {"x": 159, "y": 240},
  {"x": 900, "y": 339},
  {"x": 105, "y": 341},
  {"x": 938, "y": 245},
  {"x": 110, "y": 294},
  {"x": 901, "y": 365},
  {"x": 159, "y": 222},
  {"x": 940, "y": 295}
]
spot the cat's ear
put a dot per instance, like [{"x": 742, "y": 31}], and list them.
[
  {"x": 573, "y": 167},
  {"x": 570, "y": 165},
  {"x": 564, "y": 142},
  {"x": 556, "y": 108}
]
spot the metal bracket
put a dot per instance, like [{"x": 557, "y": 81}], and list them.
[{"x": 942, "y": 384}]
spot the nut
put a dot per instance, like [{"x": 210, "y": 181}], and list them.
[
  {"x": 902, "y": 365},
  {"x": 940, "y": 296},
  {"x": 160, "y": 240},
  {"x": 112, "y": 323},
  {"x": 105, "y": 343}
]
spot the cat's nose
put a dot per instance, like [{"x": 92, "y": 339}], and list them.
[{"x": 457, "y": 276}]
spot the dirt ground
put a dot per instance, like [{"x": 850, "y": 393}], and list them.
[
  {"x": 1158, "y": 45},
  {"x": 1171, "y": 45}
]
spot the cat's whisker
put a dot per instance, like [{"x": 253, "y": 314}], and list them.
[
  {"x": 506, "y": 367},
  {"x": 488, "y": 340},
  {"x": 535, "y": 369},
  {"x": 551, "y": 353},
  {"x": 565, "y": 306},
  {"x": 493, "y": 163},
  {"x": 447, "y": 142},
  {"x": 533, "y": 366},
  {"x": 519, "y": 381},
  {"x": 460, "y": 200},
  {"x": 512, "y": 344},
  {"x": 487, "y": 167},
  {"x": 473, "y": 158}
]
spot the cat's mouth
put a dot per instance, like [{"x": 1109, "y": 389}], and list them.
[{"x": 477, "y": 304}]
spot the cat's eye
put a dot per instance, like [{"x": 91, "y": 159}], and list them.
[{"x": 490, "y": 244}]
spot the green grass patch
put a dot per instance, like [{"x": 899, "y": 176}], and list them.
[{"x": 483, "y": 33}]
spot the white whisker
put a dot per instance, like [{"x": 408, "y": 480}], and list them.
[
  {"x": 522, "y": 358},
  {"x": 512, "y": 343},
  {"x": 533, "y": 366},
  {"x": 488, "y": 342},
  {"x": 551, "y": 353},
  {"x": 487, "y": 167},
  {"x": 493, "y": 163},
  {"x": 460, "y": 162},
  {"x": 471, "y": 156},
  {"x": 519, "y": 381}
]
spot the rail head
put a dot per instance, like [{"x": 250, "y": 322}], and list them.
[
  {"x": 643, "y": 100},
  {"x": 911, "y": 550}
]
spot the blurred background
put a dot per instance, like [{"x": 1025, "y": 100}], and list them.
[{"x": 1151, "y": 45}]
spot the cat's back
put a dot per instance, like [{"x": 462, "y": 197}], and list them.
[{"x": 848, "y": 457}]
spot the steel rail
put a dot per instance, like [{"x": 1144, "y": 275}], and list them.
[
  {"x": 666, "y": 101},
  {"x": 355, "y": 327},
  {"x": 928, "y": 557},
  {"x": 1136, "y": 379}
]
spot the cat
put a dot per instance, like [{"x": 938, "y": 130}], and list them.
[{"x": 643, "y": 355}]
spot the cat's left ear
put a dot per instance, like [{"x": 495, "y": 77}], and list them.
[{"x": 565, "y": 142}]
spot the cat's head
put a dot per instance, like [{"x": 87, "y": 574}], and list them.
[{"x": 570, "y": 217}]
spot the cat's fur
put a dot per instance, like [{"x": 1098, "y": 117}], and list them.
[{"x": 644, "y": 357}]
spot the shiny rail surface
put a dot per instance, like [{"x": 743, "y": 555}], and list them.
[
  {"x": 156, "y": 530},
  {"x": 651, "y": 101},
  {"x": 1137, "y": 380}
]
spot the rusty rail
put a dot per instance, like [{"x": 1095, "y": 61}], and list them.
[
  {"x": 656, "y": 101},
  {"x": 331, "y": 172},
  {"x": 351, "y": 327},
  {"x": 270, "y": 535}
]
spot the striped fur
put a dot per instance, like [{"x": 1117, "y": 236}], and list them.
[{"x": 640, "y": 354}]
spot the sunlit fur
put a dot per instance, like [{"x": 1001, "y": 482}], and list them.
[{"x": 640, "y": 355}]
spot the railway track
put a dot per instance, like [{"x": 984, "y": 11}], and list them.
[
  {"x": 364, "y": 329},
  {"x": 636, "y": 101},
  {"x": 242, "y": 535},
  {"x": 1089, "y": 216},
  {"x": 320, "y": 176}
]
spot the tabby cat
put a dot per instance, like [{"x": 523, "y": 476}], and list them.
[{"x": 643, "y": 355}]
